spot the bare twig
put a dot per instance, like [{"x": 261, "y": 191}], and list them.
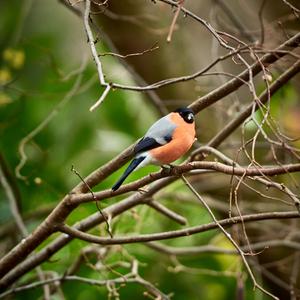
[
  {"x": 98, "y": 207},
  {"x": 91, "y": 42},
  {"x": 93, "y": 282},
  {"x": 198, "y": 250},
  {"x": 154, "y": 47},
  {"x": 167, "y": 212},
  {"x": 98, "y": 63},
  {"x": 261, "y": 22},
  {"x": 46, "y": 121},
  {"x": 228, "y": 236},
  {"x": 293, "y": 8},
  {"x": 18, "y": 219},
  {"x": 234, "y": 19},
  {"x": 234, "y": 84},
  {"x": 172, "y": 27},
  {"x": 235, "y": 123}
]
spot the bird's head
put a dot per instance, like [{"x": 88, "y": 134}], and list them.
[{"x": 186, "y": 113}]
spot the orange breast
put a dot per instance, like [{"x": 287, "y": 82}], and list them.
[{"x": 182, "y": 140}]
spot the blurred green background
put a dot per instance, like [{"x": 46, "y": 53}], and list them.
[{"x": 42, "y": 43}]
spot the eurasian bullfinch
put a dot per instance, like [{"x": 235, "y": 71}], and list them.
[{"x": 166, "y": 140}]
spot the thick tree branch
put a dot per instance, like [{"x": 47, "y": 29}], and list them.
[
  {"x": 71, "y": 231},
  {"x": 178, "y": 170}
]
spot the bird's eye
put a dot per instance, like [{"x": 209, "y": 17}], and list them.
[{"x": 190, "y": 117}]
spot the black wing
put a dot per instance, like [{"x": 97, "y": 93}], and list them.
[{"x": 148, "y": 143}]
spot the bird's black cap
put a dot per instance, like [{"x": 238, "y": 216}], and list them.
[
  {"x": 184, "y": 110},
  {"x": 186, "y": 113}
]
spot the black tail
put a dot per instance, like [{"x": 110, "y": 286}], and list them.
[{"x": 129, "y": 169}]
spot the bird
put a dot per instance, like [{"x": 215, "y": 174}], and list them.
[{"x": 166, "y": 140}]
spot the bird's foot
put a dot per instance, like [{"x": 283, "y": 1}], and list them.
[
  {"x": 167, "y": 169},
  {"x": 168, "y": 166}
]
